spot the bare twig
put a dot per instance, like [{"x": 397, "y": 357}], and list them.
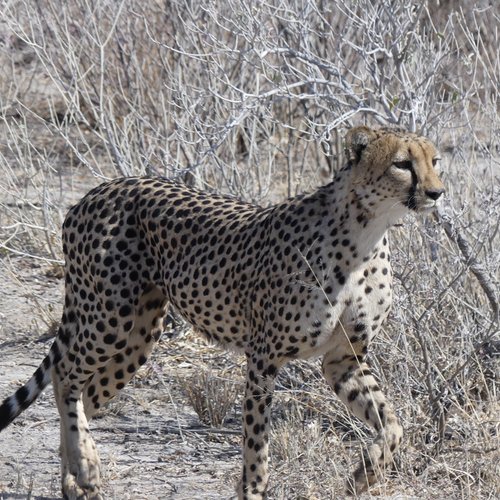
[{"x": 471, "y": 261}]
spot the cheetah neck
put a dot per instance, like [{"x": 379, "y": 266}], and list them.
[{"x": 353, "y": 233}]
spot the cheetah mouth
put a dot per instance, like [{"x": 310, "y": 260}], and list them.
[
  {"x": 411, "y": 199},
  {"x": 425, "y": 207},
  {"x": 428, "y": 208}
]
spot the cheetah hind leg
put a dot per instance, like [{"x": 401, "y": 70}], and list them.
[
  {"x": 80, "y": 464},
  {"x": 121, "y": 368}
]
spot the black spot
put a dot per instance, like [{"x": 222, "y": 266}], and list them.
[
  {"x": 121, "y": 344},
  {"x": 39, "y": 376},
  {"x": 352, "y": 395},
  {"x": 22, "y": 397},
  {"x": 115, "y": 279},
  {"x": 90, "y": 360},
  {"x": 125, "y": 311},
  {"x": 109, "y": 338}
]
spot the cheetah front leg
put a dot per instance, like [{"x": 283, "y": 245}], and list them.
[
  {"x": 352, "y": 380},
  {"x": 256, "y": 411}
]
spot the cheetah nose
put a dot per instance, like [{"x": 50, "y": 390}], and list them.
[{"x": 434, "y": 194}]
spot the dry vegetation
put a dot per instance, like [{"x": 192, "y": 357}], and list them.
[{"x": 252, "y": 99}]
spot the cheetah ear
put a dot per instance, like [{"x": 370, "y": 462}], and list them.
[{"x": 356, "y": 141}]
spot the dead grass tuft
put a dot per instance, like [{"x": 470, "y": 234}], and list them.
[{"x": 211, "y": 397}]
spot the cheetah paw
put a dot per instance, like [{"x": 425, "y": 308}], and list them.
[{"x": 73, "y": 491}]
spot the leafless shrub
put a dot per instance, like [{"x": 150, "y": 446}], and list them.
[
  {"x": 253, "y": 99},
  {"x": 211, "y": 397}
]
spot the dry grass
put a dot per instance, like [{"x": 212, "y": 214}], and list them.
[
  {"x": 252, "y": 99},
  {"x": 211, "y": 397}
]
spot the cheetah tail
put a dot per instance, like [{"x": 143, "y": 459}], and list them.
[{"x": 27, "y": 394}]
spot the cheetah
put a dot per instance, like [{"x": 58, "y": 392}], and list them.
[{"x": 307, "y": 277}]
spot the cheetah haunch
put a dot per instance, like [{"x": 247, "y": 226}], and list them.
[{"x": 307, "y": 277}]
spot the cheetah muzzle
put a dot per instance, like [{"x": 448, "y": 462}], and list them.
[{"x": 307, "y": 277}]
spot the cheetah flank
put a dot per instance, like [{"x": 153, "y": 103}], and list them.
[{"x": 307, "y": 277}]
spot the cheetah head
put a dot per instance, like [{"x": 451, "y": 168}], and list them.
[{"x": 393, "y": 171}]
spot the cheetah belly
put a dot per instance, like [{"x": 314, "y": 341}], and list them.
[
  {"x": 347, "y": 319},
  {"x": 296, "y": 316},
  {"x": 210, "y": 296},
  {"x": 323, "y": 332}
]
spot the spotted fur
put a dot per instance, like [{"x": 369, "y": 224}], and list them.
[{"x": 308, "y": 277}]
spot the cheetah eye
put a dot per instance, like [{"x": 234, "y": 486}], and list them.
[
  {"x": 436, "y": 165},
  {"x": 403, "y": 165}
]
